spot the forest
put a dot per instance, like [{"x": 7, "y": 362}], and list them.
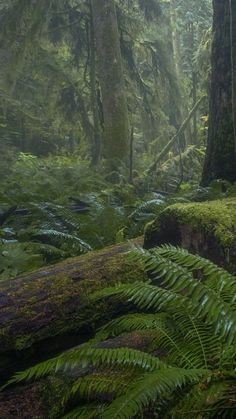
[{"x": 117, "y": 209}]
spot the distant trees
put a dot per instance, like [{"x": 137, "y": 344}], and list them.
[
  {"x": 74, "y": 74},
  {"x": 220, "y": 162}
]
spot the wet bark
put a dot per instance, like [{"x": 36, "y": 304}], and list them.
[{"x": 220, "y": 162}]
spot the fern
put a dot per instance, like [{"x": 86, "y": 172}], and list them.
[
  {"x": 86, "y": 412},
  {"x": 87, "y": 356},
  {"x": 62, "y": 239},
  {"x": 199, "y": 296},
  {"x": 149, "y": 388},
  {"x": 98, "y": 384},
  {"x": 191, "y": 317}
]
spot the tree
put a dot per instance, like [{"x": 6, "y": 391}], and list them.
[
  {"x": 220, "y": 162},
  {"x": 111, "y": 78}
]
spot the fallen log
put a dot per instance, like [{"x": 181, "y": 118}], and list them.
[{"x": 49, "y": 310}]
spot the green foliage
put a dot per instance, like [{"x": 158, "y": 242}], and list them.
[
  {"x": 189, "y": 307},
  {"x": 64, "y": 209}
]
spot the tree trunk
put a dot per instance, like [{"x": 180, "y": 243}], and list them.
[
  {"x": 233, "y": 61},
  {"x": 48, "y": 310},
  {"x": 220, "y": 162},
  {"x": 175, "y": 99},
  {"x": 96, "y": 151},
  {"x": 115, "y": 110}
]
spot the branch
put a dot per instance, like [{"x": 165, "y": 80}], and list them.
[{"x": 170, "y": 144}]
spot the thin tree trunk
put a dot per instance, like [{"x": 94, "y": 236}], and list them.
[
  {"x": 131, "y": 156},
  {"x": 194, "y": 79},
  {"x": 115, "y": 110}
]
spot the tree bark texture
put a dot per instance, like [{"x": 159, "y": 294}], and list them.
[
  {"x": 220, "y": 162},
  {"x": 111, "y": 78}
]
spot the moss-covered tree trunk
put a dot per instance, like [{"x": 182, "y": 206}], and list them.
[
  {"x": 220, "y": 160},
  {"x": 111, "y": 78}
]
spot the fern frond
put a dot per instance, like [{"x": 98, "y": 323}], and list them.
[
  {"x": 62, "y": 238},
  {"x": 86, "y": 412},
  {"x": 134, "y": 322},
  {"x": 217, "y": 278},
  {"x": 93, "y": 385},
  {"x": 149, "y": 388},
  {"x": 87, "y": 356},
  {"x": 205, "y": 301},
  {"x": 143, "y": 295}
]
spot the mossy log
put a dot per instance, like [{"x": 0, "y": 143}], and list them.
[
  {"x": 49, "y": 310},
  {"x": 208, "y": 229}
]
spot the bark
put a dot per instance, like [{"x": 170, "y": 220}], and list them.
[
  {"x": 220, "y": 162},
  {"x": 233, "y": 61},
  {"x": 111, "y": 78},
  {"x": 96, "y": 152},
  {"x": 49, "y": 310}
]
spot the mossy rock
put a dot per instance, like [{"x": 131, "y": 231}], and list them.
[{"x": 208, "y": 229}]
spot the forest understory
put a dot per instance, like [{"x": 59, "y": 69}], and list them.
[{"x": 117, "y": 209}]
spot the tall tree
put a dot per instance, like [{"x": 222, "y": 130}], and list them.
[
  {"x": 220, "y": 162},
  {"x": 111, "y": 78}
]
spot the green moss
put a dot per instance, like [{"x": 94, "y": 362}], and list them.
[
  {"x": 216, "y": 217},
  {"x": 59, "y": 304},
  {"x": 207, "y": 228},
  {"x": 149, "y": 227}
]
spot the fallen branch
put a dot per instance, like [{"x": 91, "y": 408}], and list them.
[{"x": 170, "y": 144}]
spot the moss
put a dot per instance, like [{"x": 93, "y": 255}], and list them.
[
  {"x": 216, "y": 217},
  {"x": 207, "y": 228},
  {"x": 54, "y": 304},
  {"x": 23, "y": 342}
]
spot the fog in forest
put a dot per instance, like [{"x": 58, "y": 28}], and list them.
[{"x": 117, "y": 209}]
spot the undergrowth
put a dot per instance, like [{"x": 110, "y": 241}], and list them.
[
  {"x": 63, "y": 208},
  {"x": 189, "y": 309}
]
